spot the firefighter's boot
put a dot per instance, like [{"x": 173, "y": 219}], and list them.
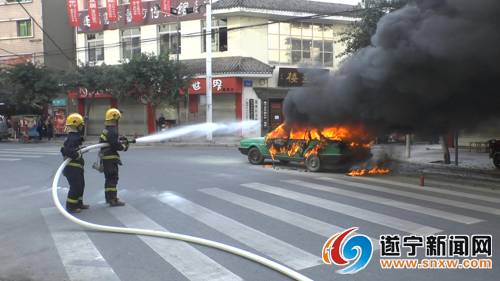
[{"x": 115, "y": 202}]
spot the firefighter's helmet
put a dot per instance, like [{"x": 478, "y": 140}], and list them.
[
  {"x": 113, "y": 114},
  {"x": 75, "y": 120}
]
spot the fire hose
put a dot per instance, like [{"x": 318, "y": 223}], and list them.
[{"x": 164, "y": 234}]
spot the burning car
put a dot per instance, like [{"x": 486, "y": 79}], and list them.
[{"x": 338, "y": 146}]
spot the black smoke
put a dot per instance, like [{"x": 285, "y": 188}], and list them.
[{"x": 434, "y": 66}]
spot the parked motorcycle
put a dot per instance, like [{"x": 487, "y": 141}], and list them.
[{"x": 495, "y": 152}]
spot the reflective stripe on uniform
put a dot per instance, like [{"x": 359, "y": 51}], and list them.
[
  {"x": 75, "y": 165},
  {"x": 74, "y": 201},
  {"x": 104, "y": 137},
  {"x": 110, "y": 157},
  {"x": 109, "y": 189}
]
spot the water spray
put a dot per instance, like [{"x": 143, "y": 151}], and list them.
[{"x": 182, "y": 131}]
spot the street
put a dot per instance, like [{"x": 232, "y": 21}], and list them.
[{"x": 284, "y": 214}]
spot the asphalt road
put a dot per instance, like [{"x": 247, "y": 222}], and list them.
[{"x": 284, "y": 214}]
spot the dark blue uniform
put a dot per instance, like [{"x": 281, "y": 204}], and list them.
[
  {"x": 110, "y": 161},
  {"x": 74, "y": 170}
]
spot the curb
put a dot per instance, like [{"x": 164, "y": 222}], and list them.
[{"x": 405, "y": 167}]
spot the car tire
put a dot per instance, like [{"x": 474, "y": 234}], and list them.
[
  {"x": 313, "y": 163},
  {"x": 255, "y": 157},
  {"x": 496, "y": 161}
]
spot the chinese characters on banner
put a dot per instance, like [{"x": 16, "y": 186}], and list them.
[
  {"x": 166, "y": 6},
  {"x": 136, "y": 10},
  {"x": 112, "y": 10},
  {"x": 94, "y": 17},
  {"x": 74, "y": 18}
]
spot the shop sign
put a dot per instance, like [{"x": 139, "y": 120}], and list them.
[
  {"x": 152, "y": 14},
  {"x": 248, "y": 83},
  {"x": 59, "y": 102},
  {"x": 219, "y": 85},
  {"x": 84, "y": 93},
  {"x": 290, "y": 77}
]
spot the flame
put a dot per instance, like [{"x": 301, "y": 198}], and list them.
[
  {"x": 373, "y": 171},
  {"x": 293, "y": 137}
]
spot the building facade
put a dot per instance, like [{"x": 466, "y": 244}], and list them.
[
  {"x": 260, "y": 51},
  {"x": 22, "y": 40}
]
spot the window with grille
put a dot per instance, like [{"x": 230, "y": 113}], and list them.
[
  {"x": 169, "y": 39},
  {"x": 95, "y": 47},
  {"x": 24, "y": 28},
  {"x": 131, "y": 42},
  {"x": 219, "y": 35},
  {"x": 300, "y": 43}
]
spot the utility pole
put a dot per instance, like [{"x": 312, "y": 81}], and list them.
[
  {"x": 408, "y": 146},
  {"x": 208, "y": 45}
]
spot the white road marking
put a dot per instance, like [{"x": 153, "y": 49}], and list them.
[
  {"x": 29, "y": 152},
  {"x": 429, "y": 198},
  {"x": 289, "y": 255},
  {"x": 10, "y": 159},
  {"x": 465, "y": 187},
  {"x": 81, "y": 259},
  {"x": 431, "y": 189},
  {"x": 388, "y": 202},
  {"x": 21, "y": 156},
  {"x": 347, "y": 210},
  {"x": 190, "y": 262},
  {"x": 298, "y": 220}
]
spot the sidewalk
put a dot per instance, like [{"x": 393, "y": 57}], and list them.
[{"x": 429, "y": 158}]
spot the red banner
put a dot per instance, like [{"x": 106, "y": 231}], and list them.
[
  {"x": 94, "y": 17},
  {"x": 112, "y": 9},
  {"x": 136, "y": 10},
  {"x": 74, "y": 18},
  {"x": 166, "y": 5}
]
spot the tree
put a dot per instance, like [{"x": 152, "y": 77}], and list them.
[
  {"x": 93, "y": 79},
  {"x": 29, "y": 86},
  {"x": 151, "y": 79},
  {"x": 359, "y": 34}
]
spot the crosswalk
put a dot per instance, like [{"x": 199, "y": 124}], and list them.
[
  {"x": 394, "y": 207},
  {"x": 28, "y": 153}
]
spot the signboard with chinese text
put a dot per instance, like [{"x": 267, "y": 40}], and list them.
[
  {"x": 151, "y": 14},
  {"x": 220, "y": 85},
  {"x": 86, "y": 94},
  {"x": 290, "y": 77}
]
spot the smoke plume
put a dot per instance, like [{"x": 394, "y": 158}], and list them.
[{"x": 433, "y": 66}]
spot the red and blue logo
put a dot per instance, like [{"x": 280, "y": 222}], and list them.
[{"x": 354, "y": 251}]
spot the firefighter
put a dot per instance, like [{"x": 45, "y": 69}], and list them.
[
  {"x": 110, "y": 157},
  {"x": 74, "y": 170}
]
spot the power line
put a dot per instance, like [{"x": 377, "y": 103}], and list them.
[{"x": 188, "y": 35}]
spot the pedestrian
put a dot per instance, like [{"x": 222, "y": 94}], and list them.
[
  {"x": 39, "y": 128},
  {"x": 74, "y": 170},
  {"x": 161, "y": 122},
  {"x": 50, "y": 129},
  {"x": 110, "y": 157}
]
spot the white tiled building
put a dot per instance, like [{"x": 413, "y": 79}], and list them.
[{"x": 258, "y": 52}]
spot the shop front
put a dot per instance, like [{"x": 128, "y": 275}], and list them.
[
  {"x": 226, "y": 99},
  {"x": 92, "y": 106}
]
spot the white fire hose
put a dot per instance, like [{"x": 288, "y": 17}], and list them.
[{"x": 169, "y": 235}]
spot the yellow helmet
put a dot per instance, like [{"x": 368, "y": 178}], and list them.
[
  {"x": 74, "y": 119},
  {"x": 113, "y": 114}
]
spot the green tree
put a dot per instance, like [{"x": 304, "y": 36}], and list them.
[
  {"x": 29, "y": 86},
  {"x": 359, "y": 33},
  {"x": 152, "y": 80},
  {"x": 92, "y": 79}
]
